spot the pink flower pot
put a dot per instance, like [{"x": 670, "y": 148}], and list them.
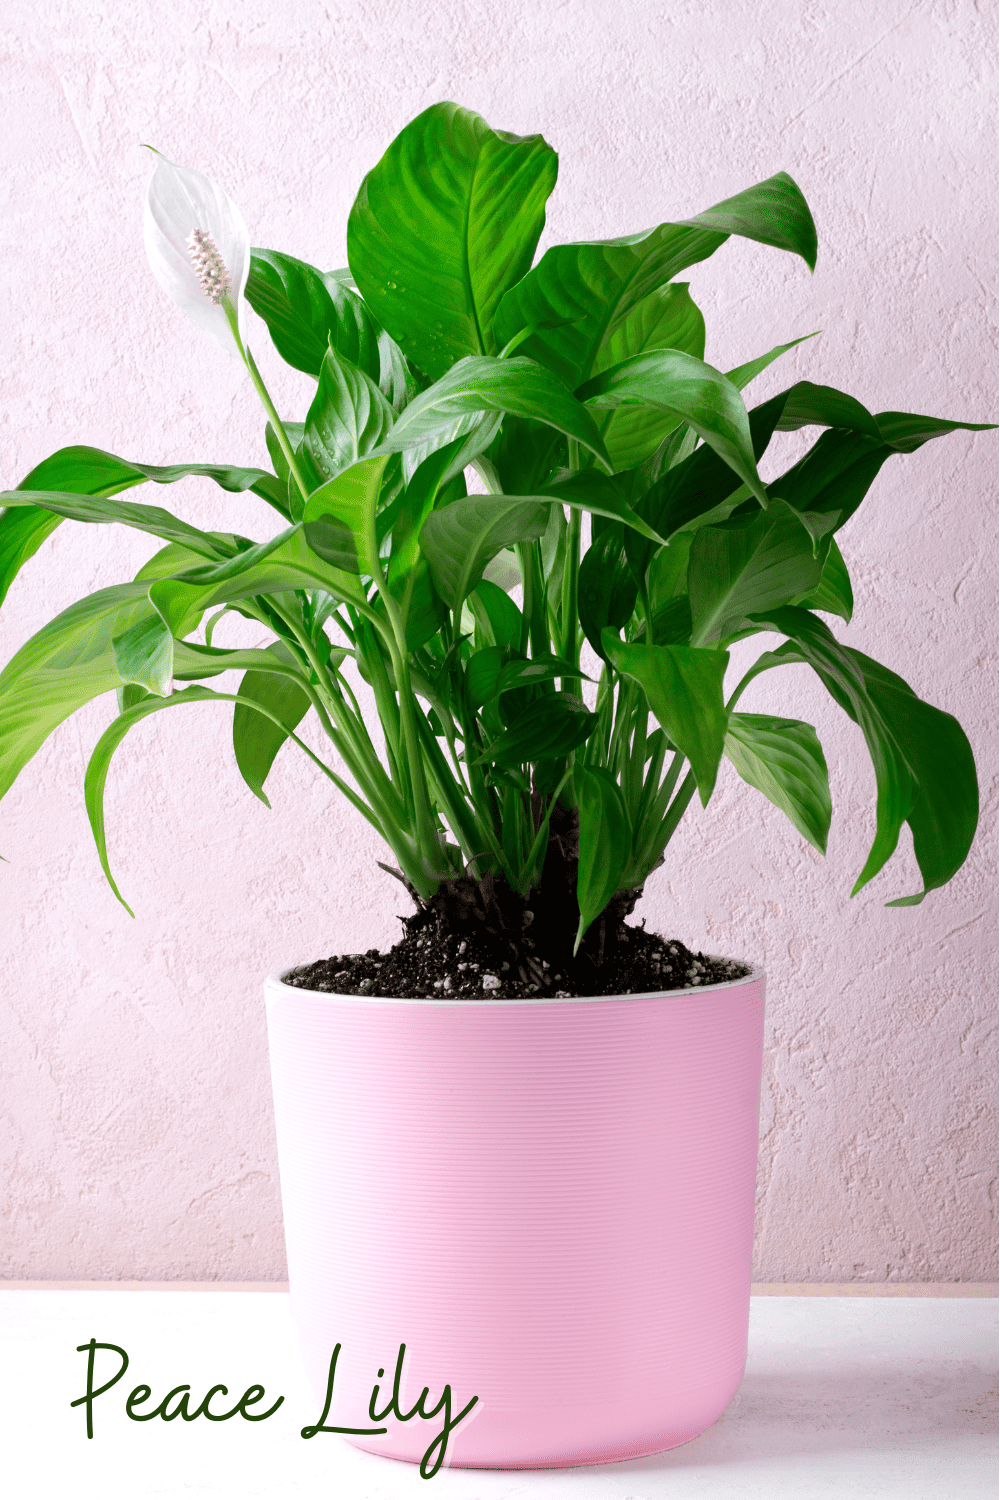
[{"x": 549, "y": 1202}]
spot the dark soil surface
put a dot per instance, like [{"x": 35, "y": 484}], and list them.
[
  {"x": 431, "y": 964},
  {"x": 477, "y": 939}
]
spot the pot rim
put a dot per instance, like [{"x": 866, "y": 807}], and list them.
[{"x": 275, "y": 982}]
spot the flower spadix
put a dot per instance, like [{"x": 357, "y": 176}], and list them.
[{"x": 198, "y": 248}]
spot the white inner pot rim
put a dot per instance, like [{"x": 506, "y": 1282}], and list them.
[{"x": 277, "y": 980}]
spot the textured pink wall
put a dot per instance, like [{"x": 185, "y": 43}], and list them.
[{"x": 136, "y": 1116}]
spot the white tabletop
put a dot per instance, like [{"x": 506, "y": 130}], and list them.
[{"x": 846, "y": 1397}]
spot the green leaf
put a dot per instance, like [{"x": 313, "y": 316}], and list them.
[
  {"x": 460, "y": 540},
  {"x": 524, "y": 674},
  {"x": 339, "y": 518},
  {"x": 63, "y": 666},
  {"x": 743, "y": 374},
  {"x": 605, "y": 842},
  {"x": 833, "y": 593},
  {"x": 348, "y": 417},
  {"x": 548, "y": 729},
  {"x": 593, "y": 287},
  {"x": 666, "y": 319},
  {"x": 601, "y": 495},
  {"x": 144, "y": 656},
  {"x": 90, "y": 471},
  {"x": 444, "y": 224},
  {"x": 924, "y": 768},
  {"x": 290, "y": 564},
  {"x": 606, "y": 588},
  {"x": 482, "y": 674},
  {"x": 747, "y": 565},
  {"x": 478, "y": 385},
  {"x": 693, "y": 392},
  {"x": 95, "y": 510},
  {"x": 783, "y": 759},
  {"x": 307, "y": 311},
  {"x": 421, "y": 496},
  {"x": 683, "y": 686},
  {"x": 498, "y": 619},
  {"x": 256, "y": 739}
]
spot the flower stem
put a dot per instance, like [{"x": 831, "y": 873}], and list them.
[{"x": 267, "y": 403}]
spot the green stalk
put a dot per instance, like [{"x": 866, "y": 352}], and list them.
[{"x": 268, "y": 404}]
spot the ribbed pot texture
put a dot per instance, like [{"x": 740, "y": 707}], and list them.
[{"x": 550, "y": 1203}]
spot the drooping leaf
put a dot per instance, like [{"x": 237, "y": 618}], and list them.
[
  {"x": 444, "y": 224},
  {"x": 63, "y": 666},
  {"x": 90, "y": 471},
  {"x": 924, "y": 768},
  {"x": 605, "y": 841},
  {"x": 783, "y": 759},
  {"x": 256, "y": 739},
  {"x": 688, "y": 389},
  {"x": 590, "y": 289},
  {"x": 347, "y": 419},
  {"x": 498, "y": 619},
  {"x": 683, "y": 686},
  {"x": 96, "y": 510},
  {"x": 307, "y": 311}
]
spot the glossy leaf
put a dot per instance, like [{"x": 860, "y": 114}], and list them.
[
  {"x": 63, "y": 666},
  {"x": 606, "y": 588},
  {"x": 256, "y": 739},
  {"x": 741, "y": 567},
  {"x": 833, "y": 594},
  {"x": 548, "y": 729},
  {"x": 666, "y": 319},
  {"x": 498, "y": 619},
  {"x": 348, "y": 417},
  {"x": 924, "y": 769},
  {"x": 591, "y": 288},
  {"x": 683, "y": 686},
  {"x": 444, "y": 224},
  {"x": 460, "y": 540},
  {"x": 688, "y": 389},
  {"x": 81, "y": 470},
  {"x": 292, "y": 564},
  {"x": 307, "y": 311},
  {"x": 477, "y": 386},
  {"x": 605, "y": 842},
  {"x": 783, "y": 759},
  {"x": 339, "y": 518},
  {"x": 95, "y": 510}
]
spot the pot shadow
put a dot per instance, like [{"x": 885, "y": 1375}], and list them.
[{"x": 904, "y": 1406}]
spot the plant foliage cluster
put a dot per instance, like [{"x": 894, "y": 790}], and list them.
[{"x": 623, "y": 496}]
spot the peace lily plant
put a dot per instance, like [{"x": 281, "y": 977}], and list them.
[{"x": 622, "y": 496}]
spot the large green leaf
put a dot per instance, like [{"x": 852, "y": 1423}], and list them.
[
  {"x": 783, "y": 759},
  {"x": 666, "y": 319},
  {"x": 67, "y": 663},
  {"x": 256, "y": 738},
  {"x": 833, "y": 594},
  {"x": 348, "y": 417},
  {"x": 683, "y": 686},
  {"x": 459, "y": 540},
  {"x": 924, "y": 768},
  {"x": 688, "y": 389},
  {"x": 591, "y": 288},
  {"x": 479, "y": 385},
  {"x": 339, "y": 518},
  {"x": 743, "y": 566},
  {"x": 307, "y": 311},
  {"x": 606, "y": 588},
  {"x": 444, "y": 224},
  {"x": 605, "y": 841}
]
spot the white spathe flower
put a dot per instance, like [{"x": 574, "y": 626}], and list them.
[{"x": 198, "y": 248}]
